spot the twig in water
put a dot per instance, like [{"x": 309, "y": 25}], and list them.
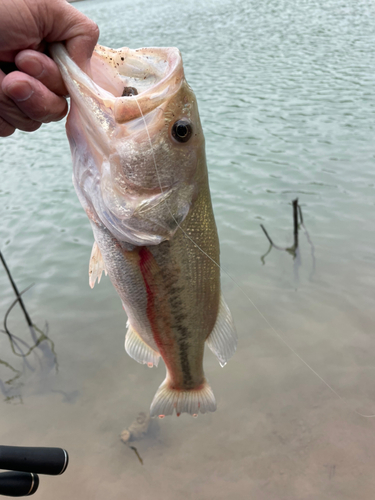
[
  {"x": 28, "y": 319},
  {"x": 14, "y": 340},
  {"x": 269, "y": 239},
  {"x": 136, "y": 452},
  {"x": 137, "y": 430},
  {"x": 300, "y": 214},
  {"x": 268, "y": 236},
  {"x": 295, "y": 222},
  {"x": 292, "y": 250},
  {"x": 18, "y": 373},
  {"x": 11, "y": 336},
  {"x": 263, "y": 257},
  {"x": 309, "y": 240}
]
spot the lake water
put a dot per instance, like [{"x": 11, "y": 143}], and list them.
[{"x": 287, "y": 102}]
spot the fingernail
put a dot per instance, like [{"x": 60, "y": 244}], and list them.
[
  {"x": 32, "y": 65},
  {"x": 19, "y": 91},
  {"x": 36, "y": 68}
]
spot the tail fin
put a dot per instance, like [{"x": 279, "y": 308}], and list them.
[{"x": 192, "y": 401}]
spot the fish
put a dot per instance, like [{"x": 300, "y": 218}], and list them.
[{"x": 140, "y": 173}]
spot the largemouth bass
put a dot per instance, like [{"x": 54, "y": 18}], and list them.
[{"x": 140, "y": 173}]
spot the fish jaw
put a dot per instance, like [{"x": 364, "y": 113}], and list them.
[{"x": 128, "y": 171}]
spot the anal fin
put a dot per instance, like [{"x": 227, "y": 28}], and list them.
[
  {"x": 223, "y": 339},
  {"x": 139, "y": 350},
  {"x": 96, "y": 265}
]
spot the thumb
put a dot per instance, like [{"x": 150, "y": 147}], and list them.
[{"x": 66, "y": 23}]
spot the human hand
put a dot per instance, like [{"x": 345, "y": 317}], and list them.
[{"x": 35, "y": 94}]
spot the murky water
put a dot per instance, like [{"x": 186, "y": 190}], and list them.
[{"x": 286, "y": 97}]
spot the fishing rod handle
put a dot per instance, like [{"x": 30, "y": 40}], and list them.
[
  {"x": 52, "y": 461},
  {"x": 18, "y": 484}
]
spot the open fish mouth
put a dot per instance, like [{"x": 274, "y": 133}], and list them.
[
  {"x": 127, "y": 169},
  {"x": 152, "y": 74},
  {"x": 117, "y": 75}
]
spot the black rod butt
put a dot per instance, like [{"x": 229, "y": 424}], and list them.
[
  {"x": 51, "y": 461},
  {"x": 18, "y": 484}
]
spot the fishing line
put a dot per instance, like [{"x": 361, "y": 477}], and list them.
[{"x": 278, "y": 335}]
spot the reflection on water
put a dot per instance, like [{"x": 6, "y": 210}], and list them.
[
  {"x": 44, "y": 358},
  {"x": 286, "y": 98},
  {"x": 293, "y": 250},
  {"x": 11, "y": 387},
  {"x": 43, "y": 361}
]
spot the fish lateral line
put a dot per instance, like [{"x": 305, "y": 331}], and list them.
[
  {"x": 145, "y": 260},
  {"x": 147, "y": 263},
  {"x": 278, "y": 335},
  {"x": 157, "y": 301}
]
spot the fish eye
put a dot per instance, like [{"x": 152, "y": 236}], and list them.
[{"x": 182, "y": 130}]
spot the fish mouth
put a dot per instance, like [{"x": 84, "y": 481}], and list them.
[
  {"x": 115, "y": 76},
  {"x": 152, "y": 74},
  {"x": 117, "y": 112}
]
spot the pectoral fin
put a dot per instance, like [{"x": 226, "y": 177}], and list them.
[
  {"x": 223, "y": 339},
  {"x": 139, "y": 350},
  {"x": 96, "y": 265}
]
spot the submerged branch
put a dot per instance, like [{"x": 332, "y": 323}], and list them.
[
  {"x": 136, "y": 452},
  {"x": 295, "y": 222},
  {"x": 18, "y": 373},
  {"x": 20, "y": 347},
  {"x": 300, "y": 214},
  {"x": 309, "y": 241},
  {"x": 263, "y": 257},
  {"x": 269, "y": 239},
  {"x": 11, "y": 336},
  {"x": 293, "y": 250},
  {"x": 19, "y": 298},
  {"x": 136, "y": 431}
]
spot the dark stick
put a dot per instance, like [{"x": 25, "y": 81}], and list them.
[
  {"x": 265, "y": 255},
  {"x": 295, "y": 222},
  {"x": 265, "y": 232},
  {"x": 292, "y": 250},
  {"x": 269, "y": 239},
  {"x": 28, "y": 319},
  {"x": 136, "y": 452},
  {"x": 300, "y": 214},
  {"x": 309, "y": 240},
  {"x": 13, "y": 337}
]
